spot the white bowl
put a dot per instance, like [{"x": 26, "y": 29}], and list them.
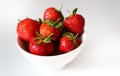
[{"x": 56, "y": 62}]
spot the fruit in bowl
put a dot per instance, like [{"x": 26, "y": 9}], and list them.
[{"x": 53, "y": 41}]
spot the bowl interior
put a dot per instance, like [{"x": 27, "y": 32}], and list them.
[{"x": 23, "y": 45}]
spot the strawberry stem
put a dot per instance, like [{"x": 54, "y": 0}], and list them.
[
  {"x": 37, "y": 38},
  {"x": 56, "y": 24},
  {"x": 69, "y": 35},
  {"x": 56, "y": 21},
  {"x": 40, "y": 36},
  {"x": 59, "y": 25},
  {"x": 49, "y": 22},
  {"x": 37, "y": 43},
  {"x": 72, "y": 37},
  {"x": 74, "y": 40},
  {"x": 50, "y": 35},
  {"x": 76, "y": 36},
  {"x": 48, "y": 39}
]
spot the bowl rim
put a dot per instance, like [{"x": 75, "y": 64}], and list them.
[{"x": 17, "y": 44}]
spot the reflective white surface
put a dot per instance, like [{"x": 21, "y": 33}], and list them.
[{"x": 100, "y": 55}]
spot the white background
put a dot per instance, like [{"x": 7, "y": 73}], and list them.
[{"x": 100, "y": 55}]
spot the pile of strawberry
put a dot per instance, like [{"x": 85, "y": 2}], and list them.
[{"x": 53, "y": 35}]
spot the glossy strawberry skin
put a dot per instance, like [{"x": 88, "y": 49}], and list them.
[
  {"x": 26, "y": 29},
  {"x": 67, "y": 45},
  {"x": 75, "y": 23},
  {"x": 42, "y": 49},
  {"x": 46, "y": 30},
  {"x": 52, "y": 13}
]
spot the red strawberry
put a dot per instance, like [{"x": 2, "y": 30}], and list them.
[
  {"x": 52, "y": 13},
  {"x": 75, "y": 23},
  {"x": 49, "y": 27},
  {"x": 41, "y": 46},
  {"x": 69, "y": 42},
  {"x": 26, "y": 29}
]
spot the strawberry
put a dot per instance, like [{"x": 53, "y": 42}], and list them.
[
  {"x": 68, "y": 42},
  {"x": 52, "y": 13},
  {"x": 26, "y": 29},
  {"x": 75, "y": 22},
  {"x": 49, "y": 27},
  {"x": 41, "y": 46}
]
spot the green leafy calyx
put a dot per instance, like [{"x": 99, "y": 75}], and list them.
[
  {"x": 41, "y": 38},
  {"x": 72, "y": 37},
  {"x": 56, "y": 24}
]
